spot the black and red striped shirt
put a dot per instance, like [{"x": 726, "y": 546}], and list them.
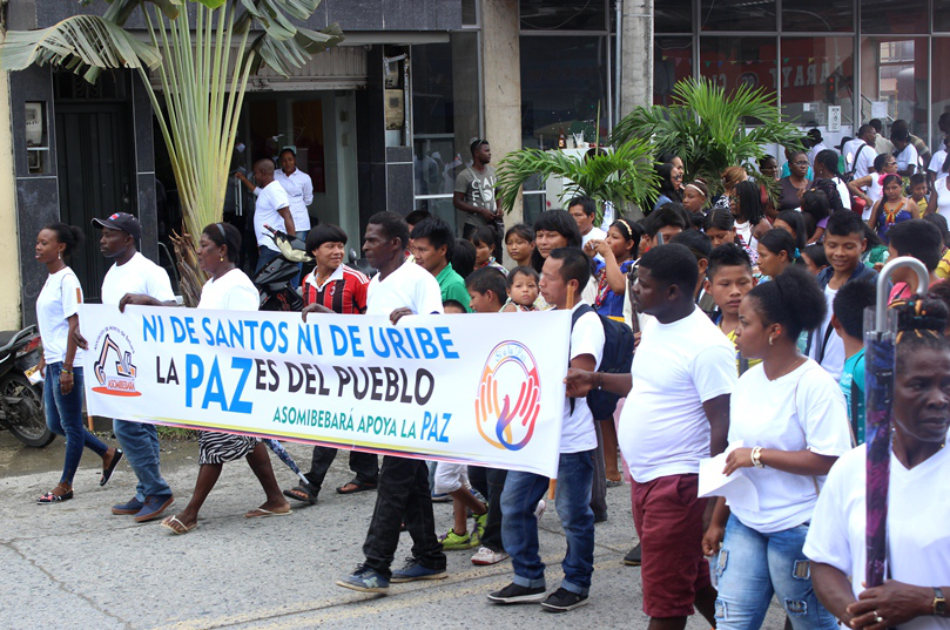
[{"x": 343, "y": 292}]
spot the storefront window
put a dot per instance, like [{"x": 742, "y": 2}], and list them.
[
  {"x": 737, "y": 15},
  {"x": 445, "y": 118},
  {"x": 672, "y": 62},
  {"x": 818, "y": 73},
  {"x": 673, "y": 16},
  {"x": 907, "y": 16},
  {"x": 941, "y": 16},
  {"x": 940, "y": 85},
  {"x": 818, "y": 15},
  {"x": 469, "y": 13},
  {"x": 734, "y": 61},
  {"x": 563, "y": 89},
  {"x": 565, "y": 15},
  {"x": 894, "y": 76}
]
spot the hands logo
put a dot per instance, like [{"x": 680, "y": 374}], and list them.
[
  {"x": 117, "y": 378},
  {"x": 508, "y": 422}
]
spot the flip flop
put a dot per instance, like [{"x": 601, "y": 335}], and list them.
[
  {"x": 361, "y": 486},
  {"x": 176, "y": 527},
  {"x": 304, "y": 489},
  {"x": 260, "y": 512},
  {"x": 49, "y": 497},
  {"x": 107, "y": 472}
]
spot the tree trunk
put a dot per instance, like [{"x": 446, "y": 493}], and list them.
[{"x": 192, "y": 277}]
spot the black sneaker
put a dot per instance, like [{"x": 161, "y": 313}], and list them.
[
  {"x": 515, "y": 594},
  {"x": 562, "y": 600},
  {"x": 632, "y": 559}
]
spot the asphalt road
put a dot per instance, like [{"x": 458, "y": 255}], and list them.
[{"x": 75, "y": 565}]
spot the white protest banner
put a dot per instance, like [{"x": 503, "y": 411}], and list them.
[{"x": 476, "y": 389}]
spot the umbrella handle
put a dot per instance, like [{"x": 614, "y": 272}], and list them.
[{"x": 923, "y": 281}]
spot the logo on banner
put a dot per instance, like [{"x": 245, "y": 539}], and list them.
[
  {"x": 509, "y": 397},
  {"x": 114, "y": 369}
]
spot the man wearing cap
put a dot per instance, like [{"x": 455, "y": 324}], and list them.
[{"x": 134, "y": 273}]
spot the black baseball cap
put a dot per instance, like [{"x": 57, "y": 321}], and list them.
[{"x": 122, "y": 221}]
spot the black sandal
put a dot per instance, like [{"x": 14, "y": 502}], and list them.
[
  {"x": 305, "y": 489},
  {"x": 107, "y": 472},
  {"x": 361, "y": 486},
  {"x": 50, "y": 497}
]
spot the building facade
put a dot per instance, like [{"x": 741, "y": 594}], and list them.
[{"x": 385, "y": 120}]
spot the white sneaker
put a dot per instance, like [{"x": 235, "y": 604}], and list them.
[
  {"x": 539, "y": 511},
  {"x": 487, "y": 556}
]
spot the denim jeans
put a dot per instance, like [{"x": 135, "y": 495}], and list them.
[
  {"x": 402, "y": 495},
  {"x": 520, "y": 527},
  {"x": 64, "y": 417},
  {"x": 140, "y": 444},
  {"x": 753, "y": 566},
  {"x": 265, "y": 255}
]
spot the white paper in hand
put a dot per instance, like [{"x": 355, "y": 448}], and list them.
[{"x": 737, "y": 488}]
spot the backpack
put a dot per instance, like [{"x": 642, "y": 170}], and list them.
[{"x": 617, "y": 359}]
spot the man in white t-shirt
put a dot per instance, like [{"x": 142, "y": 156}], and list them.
[
  {"x": 400, "y": 289},
  {"x": 564, "y": 272},
  {"x": 859, "y": 153},
  {"x": 271, "y": 208},
  {"x": 134, "y": 273},
  {"x": 583, "y": 209},
  {"x": 677, "y": 413},
  {"x": 905, "y": 152}
]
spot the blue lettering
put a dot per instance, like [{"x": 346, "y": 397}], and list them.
[
  {"x": 304, "y": 338},
  {"x": 238, "y": 405},
  {"x": 206, "y": 326},
  {"x": 215, "y": 391},
  {"x": 284, "y": 342},
  {"x": 178, "y": 330},
  {"x": 395, "y": 338},
  {"x": 442, "y": 332},
  {"x": 152, "y": 327},
  {"x": 383, "y": 349},
  {"x": 236, "y": 333},
  {"x": 339, "y": 340},
  {"x": 355, "y": 341},
  {"x": 429, "y": 350},
  {"x": 268, "y": 336},
  {"x": 194, "y": 376}
]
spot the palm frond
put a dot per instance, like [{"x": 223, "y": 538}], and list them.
[
  {"x": 625, "y": 175},
  {"x": 707, "y": 127}
]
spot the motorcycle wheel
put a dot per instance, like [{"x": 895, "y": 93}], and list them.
[{"x": 29, "y": 425}]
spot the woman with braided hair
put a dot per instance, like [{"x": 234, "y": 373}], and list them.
[{"x": 918, "y": 559}]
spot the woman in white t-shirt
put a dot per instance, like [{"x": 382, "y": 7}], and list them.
[
  {"x": 788, "y": 425},
  {"x": 913, "y": 596},
  {"x": 884, "y": 164},
  {"x": 940, "y": 197},
  {"x": 57, "y": 313},
  {"x": 229, "y": 289}
]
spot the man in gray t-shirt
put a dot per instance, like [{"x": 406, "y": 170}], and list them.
[{"x": 475, "y": 197}]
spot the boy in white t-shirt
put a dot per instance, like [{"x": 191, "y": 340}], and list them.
[
  {"x": 565, "y": 270},
  {"x": 134, "y": 273},
  {"x": 683, "y": 374}
]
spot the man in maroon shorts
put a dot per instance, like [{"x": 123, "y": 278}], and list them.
[{"x": 677, "y": 413}]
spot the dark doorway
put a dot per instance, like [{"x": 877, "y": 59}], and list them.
[{"x": 96, "y": 171}]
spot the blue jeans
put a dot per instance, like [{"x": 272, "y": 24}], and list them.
[
  {"x": 519, "y": 527},
  {"x": 140, "y": 444},
  {"x": 64, "y": 417},
  {"x": 753, "y": 566}
]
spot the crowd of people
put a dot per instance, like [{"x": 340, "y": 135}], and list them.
[{"x": 747, "y": 312}]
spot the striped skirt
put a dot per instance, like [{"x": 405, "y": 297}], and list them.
[{"x": 220, "y": 448}]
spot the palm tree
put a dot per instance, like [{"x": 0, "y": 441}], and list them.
[
  {"x": 624, "y": 176},
  {"x": 203, "y": 51},
  {"x": 710, "y": 130}
]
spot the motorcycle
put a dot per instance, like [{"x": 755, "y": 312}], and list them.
[
  {"x": 273, "y": 281},
  {"x": 21, "y": 401}
]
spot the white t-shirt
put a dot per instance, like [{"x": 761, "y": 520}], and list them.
[
  {"x": 843, "y": 192},
  {"x": 577, "y": 430},
  {"x": 814, "y": 151},
  {"x": 233, "y": 291},
  {"x": 830, "y": 353},
  {"x": 936, "y": 163},
  {"x": 138, "y": 275},
  {"x": 875, "y": 193},
  {"x": 409, "y": 286},
  {"x": 864, "y": 157},
  {"x": 907, "y": 157},
  {"x": 943, "y": 196},
  {"x": 57, "y": 302},
  {"x": 918, "y": 538},
  {"x": 299, "y": 189},
  {"x": 271, "y": 199},
  {"x": 595, "y": 234},
  {"x": 802, "y": 410},
  {"x": 677, "y": 367}
]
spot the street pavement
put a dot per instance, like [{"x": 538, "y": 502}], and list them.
[{"x": 75, "y": 565}]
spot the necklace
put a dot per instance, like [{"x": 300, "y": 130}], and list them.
[{"x": 797, "y": 363}]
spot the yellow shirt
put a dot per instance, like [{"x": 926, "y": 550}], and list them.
[
  {"x": 752, "y": 362},
  {"x": 943, "y": 267}
]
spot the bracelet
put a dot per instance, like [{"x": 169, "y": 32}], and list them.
[
  {"x": 65, "y": 371},
  {"x": 600, "y": 383},
  {"x": 757, "y": 457}
]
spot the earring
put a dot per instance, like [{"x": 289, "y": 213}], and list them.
[
  {"x": 771, "y": 341},
  {"x": 221, "y": 259},
  {"x": 59, "y": 255}
]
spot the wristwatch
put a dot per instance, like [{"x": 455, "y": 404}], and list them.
[
  {"x": 757, "y": 457},
  {"x": 940, "y": 604}
]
